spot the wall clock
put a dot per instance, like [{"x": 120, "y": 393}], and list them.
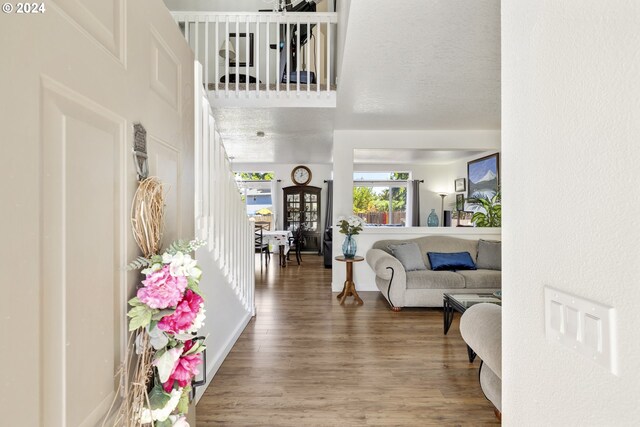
[{"x": 301, "y": 175}]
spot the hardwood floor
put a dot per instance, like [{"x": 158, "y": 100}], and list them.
[{"x": 305, "y": 360}]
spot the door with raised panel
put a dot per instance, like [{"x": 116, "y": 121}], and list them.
[{"x": 74, "y": 80}]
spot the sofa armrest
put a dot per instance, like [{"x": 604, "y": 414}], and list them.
[
  {"x": 392, "y": 273},
  {"x": 379, "y": 260},
  {"x": 481, "y": 329}
]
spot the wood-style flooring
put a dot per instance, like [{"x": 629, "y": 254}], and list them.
[{"x": 305, "y": 360}]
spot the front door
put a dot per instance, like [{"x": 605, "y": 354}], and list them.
[{"x": 75, "y": 77}]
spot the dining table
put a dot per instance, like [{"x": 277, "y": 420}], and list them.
[{"x": 278, "y": 241}]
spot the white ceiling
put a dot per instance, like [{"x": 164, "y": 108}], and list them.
[
  {"x": 407, "y": 64},
  {"x": 421, "y": 64},
  {"x": 292, "y": 135}
]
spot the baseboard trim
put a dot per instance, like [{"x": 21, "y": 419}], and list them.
[{"x": 215, "y": 362}]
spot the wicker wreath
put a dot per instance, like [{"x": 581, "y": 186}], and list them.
[{"x": 147, "y": 216}]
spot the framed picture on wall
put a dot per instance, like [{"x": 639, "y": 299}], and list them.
[
  {"x": 464, "y": 219},
  {"x": 459, "y": 202},
  {"x": 460, "y": 184},
  {"x": 483, "y": 176},
  {"x": 240, "y": 53}
]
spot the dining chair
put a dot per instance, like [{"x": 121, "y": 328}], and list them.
[
  {"x": 295, "y": 244},
  {"x": 260, "y": 244}
]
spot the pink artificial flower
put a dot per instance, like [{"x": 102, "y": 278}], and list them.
[
  {"x": 186, "y": 312},
  {"x": 161, "y": 289},
  {"x": 185, "y": 369}
]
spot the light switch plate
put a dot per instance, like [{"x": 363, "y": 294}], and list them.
[{"x": 586, "y": 326}]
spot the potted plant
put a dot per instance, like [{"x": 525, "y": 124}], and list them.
[
  {"x": 350, "y": 226},
  {"x": 488, "y": 210}
]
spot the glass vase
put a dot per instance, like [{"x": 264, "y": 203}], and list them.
[
  {"x": 349, "y": 246},
  {"x": 432, "y": 219}
]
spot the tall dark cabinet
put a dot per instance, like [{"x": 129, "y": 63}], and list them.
[{"x": 302, "y": 207}]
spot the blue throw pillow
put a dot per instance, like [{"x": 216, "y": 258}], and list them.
[{"x": 451, "y": 261}]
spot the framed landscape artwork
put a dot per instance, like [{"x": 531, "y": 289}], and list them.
[
  {"x": 460, "y": 185},
  {"x": 459, "y": 202},
  {"x": 483, "y": 176}
]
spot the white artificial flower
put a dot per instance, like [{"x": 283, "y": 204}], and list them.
[
  {"x": 163, "y": 413},
  {"x": 184, "y": 265},
  {"x": 198, "y": 321},
  {"x": 195, "y": 272},
  {"x": 166, "y": 258},
  {"x": 178, "y": 421}
]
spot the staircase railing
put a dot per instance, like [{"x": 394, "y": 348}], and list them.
[
  {"x": 221, "y": 217},
  {"x": 291, "y": 53}
]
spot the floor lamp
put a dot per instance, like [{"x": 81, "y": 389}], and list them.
[{"x": 443, "y": 195}]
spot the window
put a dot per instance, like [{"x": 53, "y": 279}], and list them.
[
  {"x": 380, "y": 198},
  {"x": 256, "y": 192}
]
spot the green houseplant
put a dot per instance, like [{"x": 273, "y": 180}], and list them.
[{"x": 488, "y": 210}]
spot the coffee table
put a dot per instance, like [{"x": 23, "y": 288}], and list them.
[{"x": 460, "y": 302}]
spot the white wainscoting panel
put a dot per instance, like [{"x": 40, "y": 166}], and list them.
[
  {"x": 101, "y": 20},
  {"x": 82, "y": 149},
  {"x": 166, "y": 71},
  {"x": 164, "y": 162}
]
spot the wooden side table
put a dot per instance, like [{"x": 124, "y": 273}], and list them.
[{"x": 349, "y": 287}]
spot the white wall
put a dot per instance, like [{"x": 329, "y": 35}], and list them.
[
  {"x": 345, "y": 141},
  {"x": 282, "y": 171},
  {"x": 571, "y": 126}
]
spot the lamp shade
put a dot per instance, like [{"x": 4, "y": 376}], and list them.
[{"x": 227, "y": 50}]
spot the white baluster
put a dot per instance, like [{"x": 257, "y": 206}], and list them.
[
  {"x": 318, "y": 58},
  {"x": 186, "y": 30},
  {"x": 257, "y": 49},
  {"x": 328, "y": 58},
  {"x": 226, "y": 58},
  {"x": 206, "y": 53},
  {"x": 267, "y": 54},
  {"x": 298, "y": 49},
  {"x": 216, "y": 54},
  {"x": 278, "y": 55},
  {"x": 307, "y": 60},
  {"x": 196, "y": 25},
  {"x": 237, "y": 62},
  {"x": 247, "y": 58},
  {"x": 288, "y": 72}
]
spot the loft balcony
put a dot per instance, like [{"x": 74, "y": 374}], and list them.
[{"x": 264, "y": 59}]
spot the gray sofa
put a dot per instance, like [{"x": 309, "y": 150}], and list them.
[
  {"x": 481, "y": 329},
  {"x": 424, "y": 288}
]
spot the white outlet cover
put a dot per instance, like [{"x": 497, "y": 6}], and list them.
[{"x": 585, "y": 326}]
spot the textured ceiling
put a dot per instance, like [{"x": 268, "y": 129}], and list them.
[
  {"x": 292, "y": 135},
  {"x": 421, "y": 64}
]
